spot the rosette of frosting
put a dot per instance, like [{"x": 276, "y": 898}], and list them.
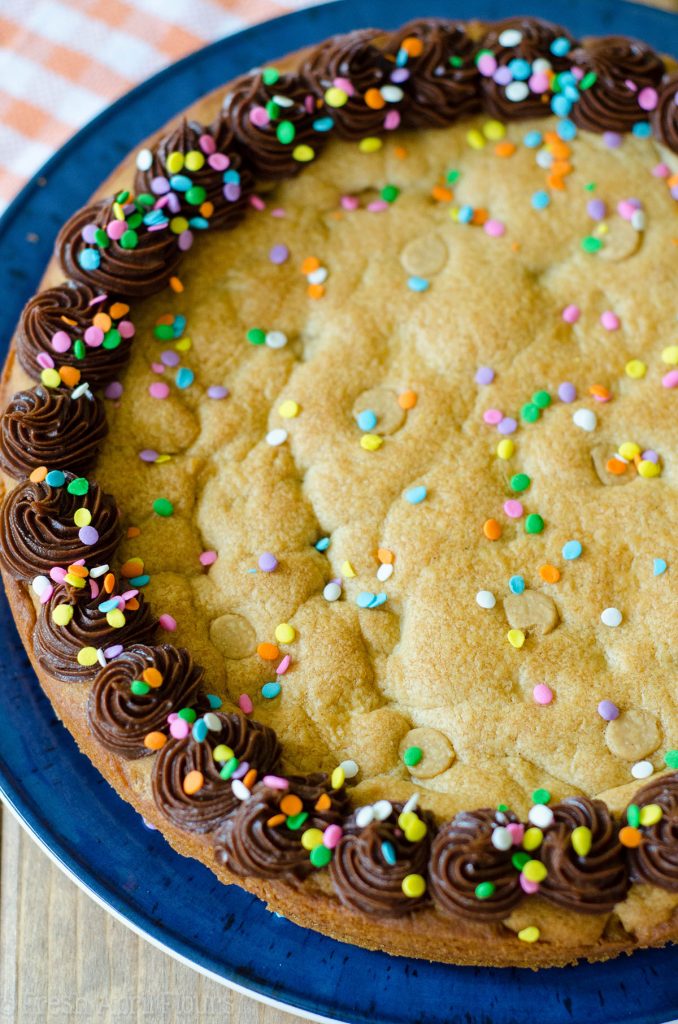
[
  {"x": 38, "y": 529},
  {"x": 71, "y": 325},
  {"x": 60, "y": 635},
  {"x": 463, "y": 857},
  {"x": 49, "y": 427},
  {"x": 263, "y": 837},
  {"x": 517, "y": 61},
  {"x": 619, "y": 84},
  {"x": 434, "y": 66},
  {"x": 276, "y": 120},
  {"x": 655, "y": 858},
  {"x": 351, "y": 74},
  {"x": 127, "y": 703},
  {"x": 595, "y": 881},
  {"x": 665, "y": 114},
  {"x": 198, "y": 174},
  {"x": 370, "y": 864},
  {"x": 192, "y": 778},
  {"x": 123, "y": 247}
]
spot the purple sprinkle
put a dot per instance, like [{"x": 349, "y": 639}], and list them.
[
  {"x": 567, "y": 392},
  {"x": 160, "y": 186},
  {"x": 279, "y": 253},
  {"x": 114, "y": 651},
  {"x": 241, "y": 770},
  {"x": 650, "y": 456},
  {"x": 484, "y": 375},
  {"x": 608, "y": 710},
  {"x": 88, "y": 535},
  {"x": 170, "y": 358},
  {"x": 612, "y": 140},
  {"x": 399, "y": 75},
  {"x": 217, "y": 391},
  {"x": 88, "y": 233},
  {"x": 185, "y": 240},
  {"x": 503, "y": 76},
  {"x": 232, "y": 191},
  {"x": 148, "y": 455},
  {"x": 597, "y": 210},
  {"x": 507, "y": 425},
  {"x": 267, "y": 562}
]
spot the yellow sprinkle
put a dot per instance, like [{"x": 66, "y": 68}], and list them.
[
  {"x": 175, "y": 162},
  {"x": 338, "y": 778},
  {"x": 118, "y": 211},
  {"x": 371, "y": 442},
  {"x": 649, "y": 469},
  {"x": 370, "y": 145},
  {"x": 82, "y": 517},
  {"x": 163, "y": 458},
  {"x": 532, "y": 838},
  {"x": 516, "y": 638},
  {"x": 62, "y": 614},
  {"x": 222, "y": 753},
  {"x": 335, "y": 97},
  {"x": 347, "y": 570},
  {"x": 406, "y": 819},
  {"x": 529, "y": 934},
  {"x": 650, "y": 814},
  {"x": 311, "y": 838},
  {"x": 50, "y": 378},
  {"x": 177, "y": 225},
  {"x": 115, "y": 618},
  {"x": 416, "y": 830},
  {"x": 454, "y": 213},
  {"x": 87, "y": 656},
  {"x": 284, "y": 633},
  {"x": 635, "y": 368},
  {"x": 670, "y": 355},
  {"x": 505, "y": 448},
  {"x": 183, "y": 345},
  {"x": 288, "y": 409},
  {"x": 601, "y": 229},
  {"x": 303, "y": 153},
  {"x": 74, "y": 581},
  {"x": 629, "y": 450},
  {"x": 194, "y": 160},
  {"x": 413, "y": 886},
  {"x": 535, "y": 871},
  {"x": 475, "y": 139},
  {"x": 494, "y": 130},
  {"x": 581, "y": 840}
]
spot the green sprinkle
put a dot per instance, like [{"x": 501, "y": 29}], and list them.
[
  {"x": 534, "y": 523},
  {"x": 195, "y": 195},
  {"x": 591, "y": 244},
  {"x": 591, "y": 186},
  {"x": 541, "y": 399},
  {"x": 633, "y": 815},
  {"x": 270, "y": 76},
  {"x": 112, "y": 339},
  {"x": 295, "y": 821},
  {"x": 129, "y": 239},
  {"x": 134, "y": 221},
  {"x": 273, "y": 110},
  {"x": 229, "y": 767},
  {"x": 412, "y": 756},
  {"x": 520, "y": 482},
  {"x": 503, "y": 808},
  {"x": 587, "y": 81},
  {"x": 122, "y": 197},
  {"x": 671, "y": 758},
  {"x": 164, "y": 332},
  {"x": 530, "y": 412},
  {"x": 541, "y": 796},
  {"x": 78, "y": 486},
  {"x": 452, "y": 176},
  {"x": 163, "y": 507},
  {"x": 390, "y": 193},
  {"x": 519, "y": 860},
  {"x": 139, "y": 688},
  {"x": 101, "y": 238},
  {"x": 484, "y": 890},
  {"x": 456, "y": 62},
  {"x": 285, "y": 132},
  {"x": 188, "y": 715},
  {"x": 320, "y": 856},
  {"x": 79, "y": 350},
  {"x": 256, "y": 336}
]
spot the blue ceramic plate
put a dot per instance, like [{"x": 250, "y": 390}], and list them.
[{"x": 100, "y": 840}]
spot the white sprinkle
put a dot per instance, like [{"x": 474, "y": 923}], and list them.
[
  {"x": 40, "y": 584},
  {"x": 212, "y": 722},
  {"x": 411, "y": 804},
  {"x": 349, "y": 768},
  {"x": 364, "y": 816},
  {"x": 276, "y": 437},
  {"x": 276, "y": 339},
  {"x": 382, "y": 809},
  {"x": 240, "y": 790},
  {"x": 541, "y": 815},
  {"x": 510, "y": 37},
  {"x": 486, "y": 599},
  {"x": 541, "y": 64},
  {"x": 544, "y": 159},
  {"x": 98, "y": 570},
  {"x": 283, "y": 101},
  {"x": 101, "y": 657},
  {"x": 517, "y": 91},
  {"x": 611, "y": 617},
  {"x": 317, "y": 276},
  {"x": 586, "y": 419},
  {"x": 638, "y": 220},
  {"x": 332, "y": 592},
  {"x": 392, "y": 93},
  {"x": 384, "y": 572},
  {"x": 144, "y": 160},
  {"x": 642, "y": 769},
  {"x": 502, "y": 838},
  {"x": 82, "y": 389}
]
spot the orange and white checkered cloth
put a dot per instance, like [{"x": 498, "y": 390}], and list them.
[{"x": 62, "y": 61}]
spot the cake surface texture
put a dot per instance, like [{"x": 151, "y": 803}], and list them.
[{"x": 340, "y": 490}]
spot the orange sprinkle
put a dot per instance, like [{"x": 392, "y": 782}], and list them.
[
  {"x": 400, "y": 152},
  {"x": 277, "y": 819},
  {"x": 155, "y": 740},
  {"x": 673, "y": 180},
  {"x": 250, "y": 778},
  {"x": 442, "y": 194},
  {"x": 109, "y": 583},
  {"x": 385, "y": 556},
  {"x": 492, "y": 529},
  {"x": 132, "y": 567},
  {"x": 166, "y": 320},
  {"x": 515, "y": 246},
  {"x": 412, "y": 46},
  {"x": 561, "y": 168},
  {"x": 133, "y": 531},
  {"x": 505, "y": 149},
  {"x": 323, "y": 802},
  {"x": 103, "y": 321},
  {"x": 207, "y": 209},
  {"x": 119, "y": 309},
  {"x": 549, "y": 573},
  {"x": 176, "y": 285},
  {"x": 552, "y": 137},
  {"x": 407, "y": 399},
  {"x": 629, "y": 836},
  {"x": 374, "y": 99},
  {"x": 555, "y": 182},
  {"x": 316, "y": 291},
  {"x": 67, "y": 320},
  {"x": 616, "y": 466},
  {"x": 193, "y": 782},
  {"x": 480, "y": 216},
  {"x": 310, "y": 264},
  {"x": 559, "y": 149},
  {"x": 38, "y": 475},
  {"x": 132, "y": 604},
  {"x": 269, "y": 652},
  {"x": 70, "y": 375},
  {"x": 600, "y": 392},
  {"x": 79, "y": 570},
  {"x": 151, "y": 676},
  {"x": 291, "y": 805}
]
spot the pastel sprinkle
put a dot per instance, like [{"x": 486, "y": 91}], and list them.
[
  {"x": 415, "y": 495},
  {"x": 542, "y": 693}
]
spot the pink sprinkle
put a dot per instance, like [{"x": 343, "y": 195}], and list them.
[
  {"x": 494, "y": 228},
  {"x": 126, "y": 329},
  {"x": 571, "y": 314},
  {"x": 57, "y": 574},
  {"x": 517, "y": 832},
  {"x": 93, "y": 588},
  {"x": 128, "y": 595},
  {"x": 279, "y": 212},
  {"x": 377, "y": 206},
  {"x": 610, "y": 320},
  {"x": 46, "y": 594},
  {"x": 542, "y": 693},
  {"x": 539, "y": 82},
  {"x": 208, "y": 557},
  {"x": 529, "y": 887},
  {"x": 661, "y": 171},
  {"x": 61, "y": 342},
  {"x": 45, "y": 360},
  {"x": 179, "y": 728},
  {"x": 207, "y": 144},
  {"x": 349, "y": 202},
  {"x": 345, "y": 84},
  {"x": 487, "y": 65},
  {"x": 283, "y": 666},
  {"x": 245, "y": 704},
  {"x": 627, "y": 207},
  {"x": 98, "y": 299},
  {"x": 648, "y": 98},
  {"x": 259, "y": 117},
  {"x": 670, "y": 379},
  {"x": 275, "y": 781},
  {"x": 513, "y": 508},
  {"x": 257, "y": 202},
  {"x": 114, "y": 390},
  {"x": 218, "y": 161},
  {"x": 116, "y": 229},
  {"x": 158, "y": 389},
  {"x": 392, "y": 120},
  {"x": 493, "y": 416},
  {"x": 331, "y": 836},
  {"x": 157, "y": 367},
  {"x": 93, "y": 336},
  {"x": 168, "y": 622}
]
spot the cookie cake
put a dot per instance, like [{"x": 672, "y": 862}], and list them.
[{"x": 340, "y": 489}]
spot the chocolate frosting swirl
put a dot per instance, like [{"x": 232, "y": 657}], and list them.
[
  {"x": 247, "y": 845},
  {"x": 120, "y": 719},
  {"x": 203, "y": 811},
  {"x": 592, "y": 884},
  {"x": 56, "y": 647},
  {"x": 437, "y": 91},
  {"x": 656, "y": 859},
  {"x": 37, "y": 530},
  {"x": 250, "y": 97},
  {"x": 462, "y": 856},
  {"x": 357, "y": 58},
  {"x": 365, "y": 880},
  {"x": 537, "y": 36},
  {"x": 665, "y": 114},
  {"x": 68, "y": 308},
  {"x": 47, "y": 427},
  {"x": 610, "y": 104},
  {"x": 133, "y": 273},
  {"x": 230, "y": 204}
]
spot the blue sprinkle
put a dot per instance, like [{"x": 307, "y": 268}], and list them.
[
  {"x": 322, "y": 544},
  {"x": 55, "y": 478},
  {"x": 561, "y": 105},
  {"x": 378, "y": 600},
  {"x": 184, "y": 377},
  {"x": 231, "y": 177},
  {"x": 416, "y": 495},
  {"x": 418, "y": 284},
  {"x": 108, "y": 606},
  {"x": 642, "y": 129},
  {"x": 571, "y": 92},
  {"x": 516, "y": 584},
  {"x": 270, "y": 690},
  {"x": 560, "y": 46},
  {"x": 388, "y": 852},
  {"x": 566, "y": 129},
  {"x": 140, "y": 581},
  {"x": 465, "y": 214},
  {"x": 199, "y": 223},
  {"x": 658, "y": 566},
  {"x": 179, "y": 325},
  {"x": 533, "y": 139},
  {"x": 367, "y": 419},
  {"x": 365, "y": 599},
  {"x": 520, "y": 69},
  {"x": 401, "y": 58},
  {"x": 199, "y": 731},
  {"x": 540, "y": 200},
  {"x": 180, "y": 182},
  {"x": 89, "y": 259},
  {"x": 155, "y": 217},
  {"x": 571, "y": 550},
  {"x": 323, "y": 124},
  {"x": 214, "y": 701},
  {"x": 566, "y": 78}
]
